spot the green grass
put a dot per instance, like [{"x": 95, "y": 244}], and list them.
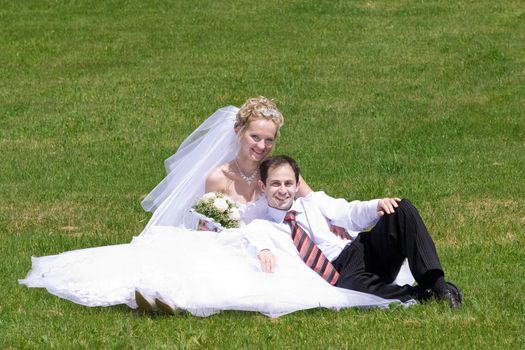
[{"x": 417, "y": 99}]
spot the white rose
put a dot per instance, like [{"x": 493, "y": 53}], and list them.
[
  {"x": 220, "y": 204},
  {"x": 234, "y": 214},
  {"x": 208, "y": 195}
]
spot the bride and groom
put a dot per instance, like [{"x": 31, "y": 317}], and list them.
[{"x": 205, "y": 272}]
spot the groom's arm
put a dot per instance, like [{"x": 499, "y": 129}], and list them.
[
  {"x": 360, "y": 215},
  {"x": 353, "y": 216},
  {"x": 259, "y": 242}
]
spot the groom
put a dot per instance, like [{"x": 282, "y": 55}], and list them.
[{"x": 369, "y": 262}]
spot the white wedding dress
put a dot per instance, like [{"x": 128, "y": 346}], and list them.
[{"x": 201, "y": 272}]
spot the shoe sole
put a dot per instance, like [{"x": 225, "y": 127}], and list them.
[
  {"x": 167, "y": 308},
  {"x": 144, "y": 304}
]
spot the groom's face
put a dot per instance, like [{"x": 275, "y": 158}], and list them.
[{"x": 280, "y": 187}]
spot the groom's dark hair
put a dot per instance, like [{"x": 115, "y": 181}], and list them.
[{"x": 272, "y": 162}]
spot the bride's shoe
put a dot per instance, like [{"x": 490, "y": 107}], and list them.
[
  {"x": 167, "y": 307},
  {"x": 145, "y": 303}
]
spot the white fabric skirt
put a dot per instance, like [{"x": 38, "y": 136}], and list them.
[{"x": 201, "y": 272}]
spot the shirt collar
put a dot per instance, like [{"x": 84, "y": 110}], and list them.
[{"x": 277, "y": 215}]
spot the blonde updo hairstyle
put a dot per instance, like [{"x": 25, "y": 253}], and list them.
[{"x": 256, "y": 108}]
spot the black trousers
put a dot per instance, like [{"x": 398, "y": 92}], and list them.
[{"x": 372, "y": 261}]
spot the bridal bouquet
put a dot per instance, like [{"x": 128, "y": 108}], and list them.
[{"x": 218, "y": 210}]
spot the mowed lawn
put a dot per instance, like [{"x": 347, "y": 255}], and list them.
[{"x": 417, "y": 99}]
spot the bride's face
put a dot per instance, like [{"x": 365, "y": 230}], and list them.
[{"x": 257, "y": 139}]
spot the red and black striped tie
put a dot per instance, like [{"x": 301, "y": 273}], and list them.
[{"x": 309, "y": 252}]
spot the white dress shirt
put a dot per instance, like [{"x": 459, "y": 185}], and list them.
[{"x": 315, "y": 213}]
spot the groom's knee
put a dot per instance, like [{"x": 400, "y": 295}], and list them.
[{"x": 406, "y": 206}]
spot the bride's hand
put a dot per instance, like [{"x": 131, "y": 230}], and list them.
[
  {"x": 203, "y": 226},
  {"x": 340, "y": 232}
]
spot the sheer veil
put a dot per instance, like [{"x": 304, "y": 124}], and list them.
[{"x": 213, "y": 143}]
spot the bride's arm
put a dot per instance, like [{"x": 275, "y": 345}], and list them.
[
  {"x": 214, "y": 183},
  {"x": 304, "y": 189}
]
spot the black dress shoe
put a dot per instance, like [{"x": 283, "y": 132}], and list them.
[
  {"x": 424, "y": 294},
  {"x": 452, "y": 294}
]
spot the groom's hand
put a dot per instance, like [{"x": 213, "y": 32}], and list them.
[
  {"x": 267, "y": 260},
  {"x": 387, "y": 206}
]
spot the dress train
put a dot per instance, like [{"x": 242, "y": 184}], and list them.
[{"x": 201, "y": 272}]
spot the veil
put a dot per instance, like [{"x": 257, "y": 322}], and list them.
[{"x": 213, "y": 143}]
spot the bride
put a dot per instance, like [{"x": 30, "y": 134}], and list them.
[
  {"x": 201, "y": 272},
  {"x": 221, "y": 155}
]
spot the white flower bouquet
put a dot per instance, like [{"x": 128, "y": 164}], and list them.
[{"x": 217, "y": 210}]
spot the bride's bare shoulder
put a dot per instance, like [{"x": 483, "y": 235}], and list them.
[{"x": 218, "y": 178}]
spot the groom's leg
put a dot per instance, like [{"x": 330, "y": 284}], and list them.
[
  {"x": 399, "y": 235},
  {"x": 371, "y": 263},
  {"x": 354, "y": 274}
]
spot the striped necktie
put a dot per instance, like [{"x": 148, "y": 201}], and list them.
[{"x": 309, "y": 252}]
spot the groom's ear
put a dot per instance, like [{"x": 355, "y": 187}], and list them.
[{"x": 262, "y": 186}]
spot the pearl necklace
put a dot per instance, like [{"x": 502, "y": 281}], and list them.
[{"x": 246, "y": 178}]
